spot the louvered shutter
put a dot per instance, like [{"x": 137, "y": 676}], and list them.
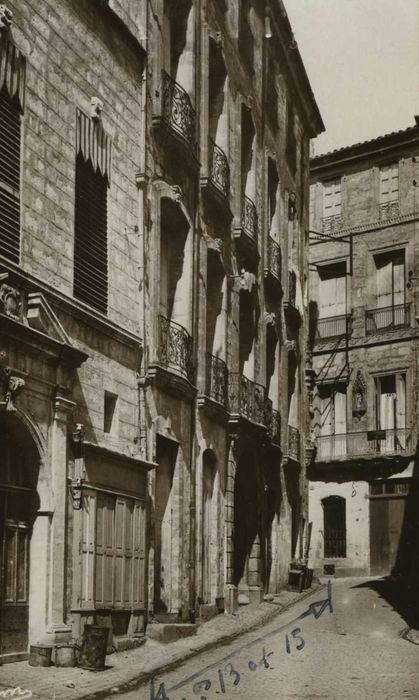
[
  {"x": 91, "y": 247},
  {"x": 9, "y": 177}
]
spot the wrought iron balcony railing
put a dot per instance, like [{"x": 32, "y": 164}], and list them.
[
  {"x": 387, "y": 318},
  {"x": 273, "y": 423},
  {"x": 365, "y": 443},
  {"x": 333, "y": 327},
  {"x": 175, "y": 347},
  {"x": 273, "y": 258},
  {"x": 219, "y": 168},
  {"x": 177, "y": 109},
  {"x": 216, "y": 379},
  {"x": 246, "y": 398},
  {"x": 332, "y": 225},
  {"x": 389, "y": 210},
  {"x": 294, "y": 443},
  {"x": 292, "y": 287},
  {"x": 249, "y": 217}
]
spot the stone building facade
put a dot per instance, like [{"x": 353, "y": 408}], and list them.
[
  {"x": 153, "y": 268},
  {"x": 363, "y": 286}
]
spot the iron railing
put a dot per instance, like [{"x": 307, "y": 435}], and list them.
[
  {"x": 333, "y": 327},
  {"x": 219, "y": 168},
  {"x": 294, "y": 443},
  {"x": 246, "y": 398},
  {"x": 332, "y": 225},
  {"x": 175, "y": 347},
  {"x": 292, "y": 287},
  {"x": 389, "y": 210},
  {"x": 249, "y": 217},
  {"x": 177, "y": 109},
  {"x": 387, "y": 318},
  {"x": 331, "y": 447},
  {"x": 216, "y": 379},
  {"x": 273, "y": 423},
  {"x": 274, "y": 258}
]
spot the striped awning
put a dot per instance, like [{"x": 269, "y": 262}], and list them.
[
  {"x": 12, "y": 70},
  {"x": 94, "y": 144}
]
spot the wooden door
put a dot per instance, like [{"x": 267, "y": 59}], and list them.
[
  {"x": 386, "y": 523},
  {"x": 14, "y": 581},
  {"x": 163, "y": 526}
]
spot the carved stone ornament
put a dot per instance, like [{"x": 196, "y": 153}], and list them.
[
  {"x": 247, "y": 280},
  {"x": 11, "y": 301},
  {"x": 76, "y": 486},
  {"x": 291, "y": 346},
  {"x": 359, "y": 395},
  {"x": 177, "y": 193},
  {"x": 12, "y": 386},
  {"x": 6, "y": 17},
  {"x": 96, "y": 108},
  {"x": 270, "y": 319}
]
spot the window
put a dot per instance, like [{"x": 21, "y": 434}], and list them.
[
  {"x": 332, "y": 419},
  {"x": 391, "y": 310},
  {"x": 334, "y": 515},
  {"x": 332, "y": 290},
  {"x": 386, "y": 487},
  {"x": 332, "y": 198},
  {"x": 389, "y": 183},
  {"x": 90, "y": 234},
  {"x": 110, "y": 414},
  {"x": 391, "y": 402},
  {"x": 12, "y": 80}
]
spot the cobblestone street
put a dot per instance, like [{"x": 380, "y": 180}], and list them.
[{"x": 354, "y": 652}]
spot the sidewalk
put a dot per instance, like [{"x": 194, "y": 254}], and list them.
[{"x": 128, "y": 670}]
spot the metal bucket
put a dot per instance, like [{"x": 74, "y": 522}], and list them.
[
  {"x": 40, "y": 655},
  {"x": 65, "y": 655},
  {"x": 93, "y": 648}
]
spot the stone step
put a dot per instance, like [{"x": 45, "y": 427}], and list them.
[{"x": 170, "y": 632}]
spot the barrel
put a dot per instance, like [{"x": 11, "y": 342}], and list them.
[
  {"x": 40, "y": 655},
  {"x": 93, "y": 648},
  {"x": 65, "y": 655}
]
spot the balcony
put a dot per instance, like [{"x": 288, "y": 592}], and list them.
[
  {"x": 216, "y": 186},
  {"x": 292, "y": 313},
  {"x": 389, "y": 210},
  {"x": 364, "y": 444},
  {"x": 246, "y": 234},
  {"x": 175, "y": 349},
  {"x": 333, "y": 327},
  {"x": 387, "y": 318},
  {"x": 246, "y": 398},
  {"x": 178, "y": 117},
  {"x": 331, "y": 225},
  {"x": 273, "y": 266},
  {"x": 294, "y": 443},
  {"x": 216, "y": 380},
  {"x": 273, "y": 424}
]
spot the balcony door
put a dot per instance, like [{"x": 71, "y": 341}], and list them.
[
  {"x": 391, "y": 411},
  {"x": 390, "y": 273},
  {"x": 333, "y": 421}
]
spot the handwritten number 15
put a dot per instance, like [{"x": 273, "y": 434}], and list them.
[{"x": 296, "y": 634}]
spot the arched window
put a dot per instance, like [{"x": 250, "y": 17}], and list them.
[{"x": 334, "y": 516}]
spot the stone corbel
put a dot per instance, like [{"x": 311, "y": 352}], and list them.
[
  {"x": 11, "y": 302},
  {"x": 247, "y": 280},
  {"x": 177, "y": 193},
  {"x": 76, "y": 488},
  {"x": 96, "y": 108},
  {"x": 12, "y": 387},
  {"x": 291, "y": 346},
  {"x": 6, "y": 17}
]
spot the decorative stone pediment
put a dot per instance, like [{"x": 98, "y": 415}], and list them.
[{"x": 41, "y": 317}]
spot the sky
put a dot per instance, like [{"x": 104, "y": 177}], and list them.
[{"x": 362, "y": 60}]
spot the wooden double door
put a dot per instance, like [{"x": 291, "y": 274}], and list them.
[
  {"x": 387, "y": 524},
  {"x": 15, "y": 509}
]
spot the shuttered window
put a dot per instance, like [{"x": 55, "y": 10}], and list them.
[
  {"x": 9, "y": 177},
  {"x": 91, "y": 245}
]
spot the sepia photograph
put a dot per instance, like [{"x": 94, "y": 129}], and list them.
[{"x": 209, "y": 349}]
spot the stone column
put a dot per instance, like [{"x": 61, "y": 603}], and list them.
[
  {"x": 231, "y": 604},
  {"x": 57, "y": 584}
]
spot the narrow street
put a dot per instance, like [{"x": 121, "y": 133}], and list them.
[{"x": 353, "y": 652}]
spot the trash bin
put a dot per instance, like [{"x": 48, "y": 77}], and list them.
[
  {"x": 40, "y": 655},
  {"x": 65, "y": 655},
  {"x": 93, "y": 648}
]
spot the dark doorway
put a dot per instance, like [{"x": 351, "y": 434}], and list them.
[
  {"x": 246, "y": 520},
  {"x": 163, "y": 543},
  {"x": 334, "y": 513},
  {"x": 209, "y": 522}
]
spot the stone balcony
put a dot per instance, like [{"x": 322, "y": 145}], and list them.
[
  {"x": 294, "y": 443},
  {"x": 246, "y": 234},
  {"x": 215, "y": 395},
  {"x": 247, "y": 399},
  {"x": 177, "y": 119},
  {"x": 216, "y": 185},
  {"x": 333, "y": 327},
  {"x": 172, "y": 366},
  {"x": 387, "y": 318}
]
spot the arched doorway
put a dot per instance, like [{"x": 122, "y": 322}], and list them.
[
  {"x": 19, "y": 465},
  {"x": 209, "y": 524}
]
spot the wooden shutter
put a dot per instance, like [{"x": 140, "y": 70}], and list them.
[
  {"x": 91, "y": 245},
  {"x": 88, "y": 548},
  {"x": 104, "y": 551},
  {"x": 389, "y": 183},
  {"x": 139, "y": 548},
  {"x": 9, "y": 177},
  {"x": 332, "y": 198}
]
